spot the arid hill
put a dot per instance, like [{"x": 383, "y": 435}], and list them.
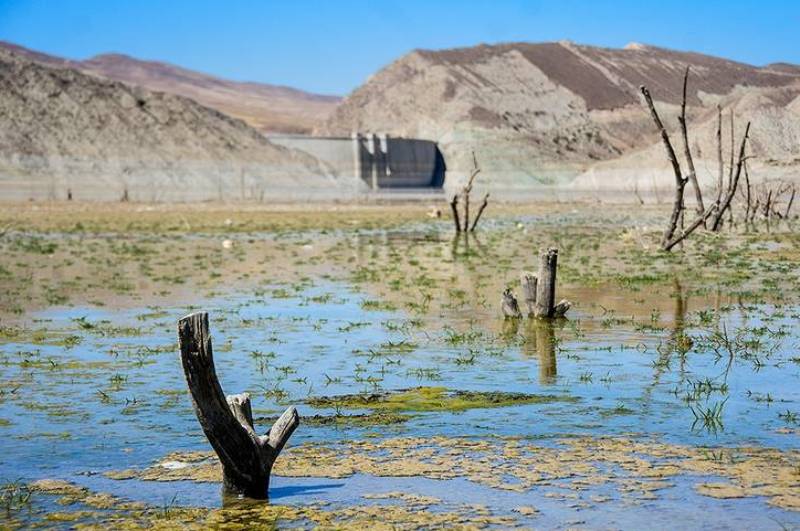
[
  {"x": 538, "y": 114},
  {"x": 268, "y": 108},
  {"x": 67, "y": 130}
]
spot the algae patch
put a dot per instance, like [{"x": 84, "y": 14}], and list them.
[{"x": 422, "y": 399}]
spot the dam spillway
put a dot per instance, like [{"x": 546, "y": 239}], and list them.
[{"x": 379, "y": 161}]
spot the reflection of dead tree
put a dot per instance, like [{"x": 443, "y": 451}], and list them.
[
  {"x": 227, "y": 421},
  {"x": 465, "y": 194},
  {"x": 672, "y": 236}
]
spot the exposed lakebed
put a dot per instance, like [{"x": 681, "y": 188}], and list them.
[{"x": 672, "y": 389}]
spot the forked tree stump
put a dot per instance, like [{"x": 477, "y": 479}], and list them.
[
  {"x": 246, "y": 457},
  {"x": 538, "y": 291}
]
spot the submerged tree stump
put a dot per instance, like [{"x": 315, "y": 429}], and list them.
[
  {"x": 246, "y": 457},
  {"x": 510, "y": 306},
  {"x": 529, "y": 281},
  {"x": 538, "y": 291}
]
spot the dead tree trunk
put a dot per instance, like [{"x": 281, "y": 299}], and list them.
[
  {"x": 528, "y": 282},
  {"x": 454, "y": 208},
  {"x": 734, "y": 181},
  {"x": 546, "y": 284},
  {"x": 789, "y": 204},
  {"x": 538, "y": 292},
  {"x": 246, "y": 457},
  {"x": 680, "y": 181},
  {"x": 480, "y": 212},
  {"x": 721, "y": 165},
  {"x": 698, "y": 195},
  {"x": 466, "y": 194}
]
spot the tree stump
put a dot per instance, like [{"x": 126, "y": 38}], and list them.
[
  {"x": 528, "y": 281},
  {"x": 546, "y": 286},
  {"x": 539, "y": 291},
  {"x": 510, "y": 306},
  {"x": 246, "y": 457}
]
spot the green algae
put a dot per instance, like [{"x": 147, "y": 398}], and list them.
[{"x": 423, "y": 399}]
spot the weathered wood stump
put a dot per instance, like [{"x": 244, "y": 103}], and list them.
[
  {"x": 538, "y": 291},
  {"x": 510, "y": 306},
  {"x": 246, "y": 457},
  {"x": 529, "y": 281},
  {"x": 546, "y": 285}
]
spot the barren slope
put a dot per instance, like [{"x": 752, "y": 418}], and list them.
[
  {"x": 543, "y": 113},
  {"x": 66, "y": 129},
  {"x": 269, "y": 108}
]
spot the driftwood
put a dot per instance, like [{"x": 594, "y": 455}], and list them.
[{"x": 246, "y": 457}]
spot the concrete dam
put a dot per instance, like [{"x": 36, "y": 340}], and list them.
[{"x": 379, "y": 161}]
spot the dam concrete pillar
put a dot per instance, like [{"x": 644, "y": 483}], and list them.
[
  {"x": 383, "y": 161},
  {"x": 373, "y": 147},
  {"x": 356, "y": 141}
]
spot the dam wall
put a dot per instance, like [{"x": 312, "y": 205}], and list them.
[{"x": 377, "y": 161}]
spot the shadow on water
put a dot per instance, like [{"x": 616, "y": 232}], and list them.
[
  {"x": 297, "y": 490},
  {"x": 232, "y": 501}
]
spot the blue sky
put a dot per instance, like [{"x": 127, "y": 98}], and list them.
[{"x": 333, "y": 46}]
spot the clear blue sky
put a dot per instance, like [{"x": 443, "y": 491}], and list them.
[{"x": 332, "y": 46}]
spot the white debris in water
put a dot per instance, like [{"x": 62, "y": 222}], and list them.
[{"x": 173, "y": 465}]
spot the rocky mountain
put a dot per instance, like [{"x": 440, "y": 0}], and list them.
[
  {"x": 268, "y": 108},
  {"x": 538, "y": 114},
  {"x": 67, "y": 130}
]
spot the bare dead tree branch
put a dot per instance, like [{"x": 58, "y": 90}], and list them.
[
  {"x": 454, "y": 208},
  {"x": 484, "y": 204},
  {"x": 700, "y": 220},
  {"x": 692, "y": 177},
  {"x": 734, "y": 181},
  {"x": 680, "y": 181}
]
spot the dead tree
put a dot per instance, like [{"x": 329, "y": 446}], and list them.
[
  {"x": 483, "y": 206},
  {"x": 680, "y": 181},
  {"x": 466, "y": 195},
  {"x": 528, "y": 281},
  {"x": 698, "y": 195},
  {"x": 454, "y": 208},
  {"x": 733, "y": 182},
  {"x": 246, "y": 457},
  {"x": 672, "y": 235},
  {"x": 538, "y": 291}
]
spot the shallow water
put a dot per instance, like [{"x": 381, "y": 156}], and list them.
[{"x": 104, "y": 391}]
